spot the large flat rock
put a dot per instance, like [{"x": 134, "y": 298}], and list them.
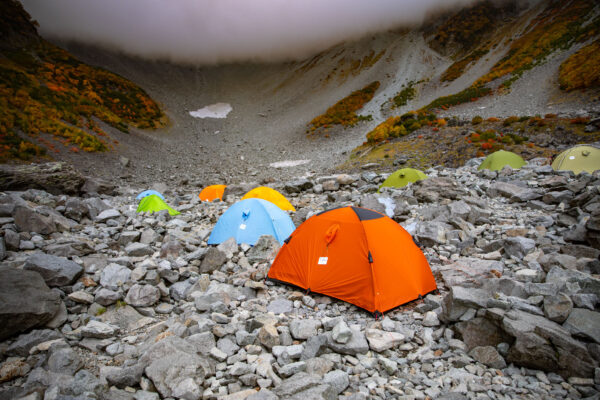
[{"x": 25, "y": 301}]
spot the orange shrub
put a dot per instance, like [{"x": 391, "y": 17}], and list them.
[{"x": 580, "y": 121}]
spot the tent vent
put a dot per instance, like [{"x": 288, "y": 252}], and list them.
[{"x": 370, "y": 258}]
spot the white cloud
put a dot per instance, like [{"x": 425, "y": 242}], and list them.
[{"x": 211, "y": 31}]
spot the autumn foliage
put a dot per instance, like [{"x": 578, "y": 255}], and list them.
[
  {"x": 582, "y": 69},
  {"x": 558, "y": 26},
  {"x": 43, "y": 89},
  {"x": 398, "y": 126},
  {"x": 344, "y": 111}
]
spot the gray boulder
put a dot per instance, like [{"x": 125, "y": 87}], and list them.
[
  {"x": 56, "y": 271},
  {"x": 24, "y": 342},
  {"x": 265, "y": 249},
  {"x": 381, "y": 340},
  {"x": 138, "y": 250},
  {"x": 105, "y": 215},
  {"x": 301, "y": 383},
  {"x": 518, "y": 247},
  {"x": 98, "y": 330},
  {"x": 64, "y": 360},
  {"x": 543, "y": 344},
  {"x": 337, "y": 379},
  {"x": 432, "y": 233},
  {"x": 304, "y": 328},
  {"x": 341, "y": 333},
  {"x": 481, "y": 332},
  {"x": 280, "y": 306},
  {"x": 461, "y": 299},
  {"x": 175, "y": 368},
  {"x": 469, "y": 271},
  {"x": 432, "y": 190},
  {"x": 213, "y": 260},
  {"x": 28, "y": 220},
  {"x": 557, "y": 308},
  {"x": 562, "y": 277},
  {"x": 95, "y": 206},
  {"x": 489, "y": 356},
  {"x": 297, "y": 186},
  {"x": 356, "y": 345},
  {"x": 239, "y": 189},
  {"x": 122, "y": 377},
  {"x": 54, "y": 177},
  {"x": 114, "y": 276},
  {"x": 76, "y": 209},
  {"x": 98, "y": 185},
  {"x": 513, "y": 192},
  {"x": 584, "y": 323},
  {"x": 106, "y": 297},
  {"x": 142, "y": 295},
  {"x": 25, "y": 301}
]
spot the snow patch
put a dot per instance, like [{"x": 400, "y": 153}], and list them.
[
  {"x": 218, "y": 110},
  {"x": 389, "y": 204},
  {"x": 288, "y": 163}
]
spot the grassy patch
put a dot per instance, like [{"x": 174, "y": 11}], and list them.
[
  {"x": 469, "y": 94},
  {"x": 404, "y": 96}
]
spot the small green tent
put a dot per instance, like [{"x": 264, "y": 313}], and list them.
[
  {"x": 499, "y": 159},
  {"x": 403, "y": 177},
  {"x": 578, "y": 159},
  {"x": 153, "y": 203}
]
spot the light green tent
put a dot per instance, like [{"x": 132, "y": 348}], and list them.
[
  {"x": 578, "y": 159},
  {"x": 499, "y": 159},
  {"x": 403, "y": 177},
  {"x": 153, "y": 203}
]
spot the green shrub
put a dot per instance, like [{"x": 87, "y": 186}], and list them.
[{"x": 477, "y": 120}]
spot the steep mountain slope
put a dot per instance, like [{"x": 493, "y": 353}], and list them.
[
  {"x": 48, "y": 96},
  {"x": 496, "y": 59}
]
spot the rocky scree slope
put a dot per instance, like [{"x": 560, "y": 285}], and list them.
[
  {"x": 488, "y": 60},
  {"x": 101, "y": 302}
]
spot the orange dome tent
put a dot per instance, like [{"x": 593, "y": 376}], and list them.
[
  {"x": 213, "y": 192},
  {"x": 272, "y": 195},
  {"x": 355, "y": 255}
]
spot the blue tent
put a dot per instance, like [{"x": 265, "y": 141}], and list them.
[
  {"x": 148, "y": 193},
  {"x": 249, "y": 219}
]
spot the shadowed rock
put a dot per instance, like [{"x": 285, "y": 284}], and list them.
[
  {"x": 25, "y": 301},
  {"x": 55, "y": 178}
]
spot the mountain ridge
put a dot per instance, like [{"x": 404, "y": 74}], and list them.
[{"x": 273, "y": 104}]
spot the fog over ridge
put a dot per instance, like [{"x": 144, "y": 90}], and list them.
[{"x": 213, "y": 31}]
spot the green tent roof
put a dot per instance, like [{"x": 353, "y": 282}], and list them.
[
  {"x": 403, "y": 177},
  {"x": 578, "y": 159},
  {"x": 501, "y": 158},
  {"x": 153, "y": 203}
]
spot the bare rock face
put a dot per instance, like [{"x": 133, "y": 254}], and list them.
[
  {"x": 56, "y": 271},
  {"x": 25, "y": 301},
  {"x": 28, "y": 220},
  {"x": 55, "y": 178}
]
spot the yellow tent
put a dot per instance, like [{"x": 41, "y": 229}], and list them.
[
  {"x": 272, "y": 195},
  {"x": 578, "y": 159}
]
